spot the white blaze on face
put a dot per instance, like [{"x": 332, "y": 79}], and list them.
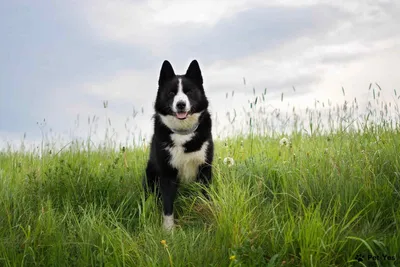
[
  {"x": 180, "y": 97},
  {"x": 181, "y": 121}
]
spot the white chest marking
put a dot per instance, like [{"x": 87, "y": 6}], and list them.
[
  {"x": 187, "y": 164},
  {"x": 173, "y": 122}
]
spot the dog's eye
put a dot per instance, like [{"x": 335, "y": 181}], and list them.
[{"x": 171, "y": 94}]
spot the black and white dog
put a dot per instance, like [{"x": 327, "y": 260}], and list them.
[{"x": 182, "y": 146}]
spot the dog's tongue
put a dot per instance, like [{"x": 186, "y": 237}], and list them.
[{"x": 181, "y": 115}]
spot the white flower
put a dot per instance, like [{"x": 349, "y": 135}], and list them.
[
  {"x": 229, "y": 161},
  {"x": 284, "y": 142}
]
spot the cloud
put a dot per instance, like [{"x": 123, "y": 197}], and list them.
[
  {"x": 113, "y": 51},
  {"x": 277, "y": 44},
  {"x": 207, "y": 30},
  {"x": 144, "y": 22},
  {"x": 317, "y": 62}
]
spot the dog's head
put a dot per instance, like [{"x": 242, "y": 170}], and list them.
[{"x": 180, "y": 98}]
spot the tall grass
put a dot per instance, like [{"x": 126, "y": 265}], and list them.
[{"x": 327, "y": 197}]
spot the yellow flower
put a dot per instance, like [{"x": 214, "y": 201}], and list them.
[
  {"x": 163, "y": 242},
  {"x": 232, "y": 258}
]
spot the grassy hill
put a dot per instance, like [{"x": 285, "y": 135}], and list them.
[
  {"x": 318, "y": 198},
  {"x": 315, "y": 201}
]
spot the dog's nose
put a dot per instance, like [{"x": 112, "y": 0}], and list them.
[{"x": 181, "y": 105}]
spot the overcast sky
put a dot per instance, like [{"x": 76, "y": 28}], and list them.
[{"x": 62, "y": 59}]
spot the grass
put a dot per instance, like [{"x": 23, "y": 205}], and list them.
[{"x": 323, "y": 199}]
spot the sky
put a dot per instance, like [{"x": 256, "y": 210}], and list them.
[{"x": 62, "y": 62}]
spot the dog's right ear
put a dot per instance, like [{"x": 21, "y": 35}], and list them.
[{"x": 166, "y": 73}]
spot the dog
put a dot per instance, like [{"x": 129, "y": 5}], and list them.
[{"x": 182, "y": 148}]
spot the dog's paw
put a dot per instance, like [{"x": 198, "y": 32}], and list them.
[{"x": 168, "y": 223}]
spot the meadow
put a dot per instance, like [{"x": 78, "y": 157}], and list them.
[{"x": 325, "y": 193}]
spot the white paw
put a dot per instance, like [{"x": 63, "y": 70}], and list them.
[{"x": 168, "y": 223}]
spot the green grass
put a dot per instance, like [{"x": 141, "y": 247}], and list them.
[{"x": 319, "y": 201}]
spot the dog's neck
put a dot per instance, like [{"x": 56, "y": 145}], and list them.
[
  {"x": 175, "y": 126},
  {"x": 186, "y": 131}
]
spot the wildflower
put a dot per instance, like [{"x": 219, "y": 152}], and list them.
[
  {"x": 144, "y": 144},
  {"x": 229, "y": 161},
  {"x": 260, "y": 184},
  {"x": 232, "y": 258},
  {"x": 164, "y": 243},
  {"x": 284, "y": 142}
]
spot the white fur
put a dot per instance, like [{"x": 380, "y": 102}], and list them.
[
  {"x": 187, "y": 164},
  {"x": 168, "y": 222},
  {"x": 180, "y": 96},
  {"x": 174, "y": 123}
]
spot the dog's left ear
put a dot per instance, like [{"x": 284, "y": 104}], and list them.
[{"x": 194, "y": 72}]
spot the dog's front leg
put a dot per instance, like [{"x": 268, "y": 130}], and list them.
[
  {"x": 168, "y": 191},
  {"x": 150, "y": 180},
  {"x": 205, "y": 176}
]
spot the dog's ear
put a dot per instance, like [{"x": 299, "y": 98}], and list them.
[
  {"x": 166, "y": 73},
  {"x": 194, "y": 72}
]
